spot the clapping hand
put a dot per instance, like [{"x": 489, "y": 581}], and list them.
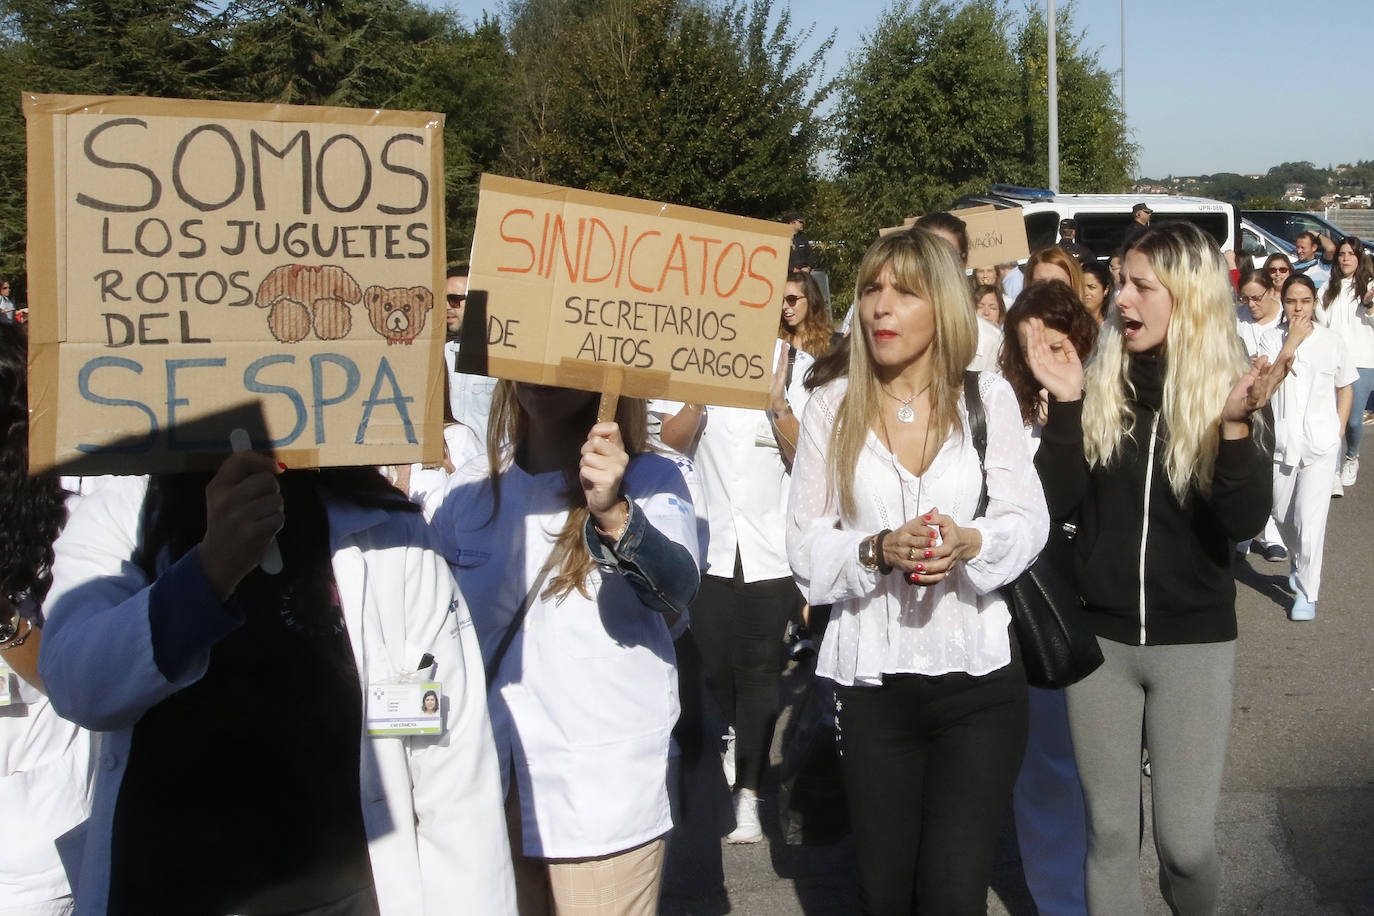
[{"x": 1058, "y": 371}]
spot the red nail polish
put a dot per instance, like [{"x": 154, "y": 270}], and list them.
[
  {"x": 920, "y": 568},
  {"x": 912, "y": 577},
  {"x": 929, "y": 554},
  {"x": 926, "y": 517},
  {"x": 280, "y": 465}
]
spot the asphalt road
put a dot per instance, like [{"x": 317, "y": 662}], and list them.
[{"x": 1296, "y": 820}]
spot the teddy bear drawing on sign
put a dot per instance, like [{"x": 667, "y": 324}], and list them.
[
  {"x": 302, "y": 297},
  {"x": 398, "y": 314}
]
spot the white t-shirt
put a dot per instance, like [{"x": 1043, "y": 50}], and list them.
[
  {"x": 1252, "y": 332},
  {"x": 880, "y": 624},
  {"x": 743, "y": 482},
  {"x": 989, "y": 347},
  {"x": 469, "y": 396}
]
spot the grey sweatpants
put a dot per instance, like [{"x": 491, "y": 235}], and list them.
[{"x": 1181, "y": 696}]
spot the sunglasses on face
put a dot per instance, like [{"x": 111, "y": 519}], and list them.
[
  {"x": 1278, "y": 270},
  {"x": 456, "y": 299},
  {"x": 793, "y": 300}
]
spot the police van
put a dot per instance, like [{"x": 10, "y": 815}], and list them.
[{"x": 1103, "y": 219}]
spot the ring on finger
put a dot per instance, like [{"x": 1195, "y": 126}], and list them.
[{"x": 911, "y": 553}]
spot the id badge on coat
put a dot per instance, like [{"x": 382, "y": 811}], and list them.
[{"x": 405, "y": 708}]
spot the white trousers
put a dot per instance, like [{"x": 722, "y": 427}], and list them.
[{"x": 1302, "y": 498}]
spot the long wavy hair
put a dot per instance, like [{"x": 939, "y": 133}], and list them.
[
  {"x": 1204, "y": 359},
  {"x": 924, "y": 264},
  {"x": 813, "y": 334},
  {"x": 1054, "y": 304},
  {"x": 34, "y": 507},
  {"x": 1361, "y": 279},
  {"x": 508, "y": 430}
]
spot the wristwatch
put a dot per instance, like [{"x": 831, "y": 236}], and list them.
[
  {"x": 9, "y": 628},
  {"x": 868, "y": 552},
  {"x": 871, "y": 552}
]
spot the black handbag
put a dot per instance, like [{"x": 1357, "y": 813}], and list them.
[
  {"x": 811, "y": 800},
  {"x": 1057, "y": 648}
]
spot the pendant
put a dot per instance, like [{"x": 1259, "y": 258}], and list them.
[{"x": 905, "y": 413}]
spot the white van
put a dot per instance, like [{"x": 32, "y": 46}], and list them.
[{"x": 1104, "y": 218}]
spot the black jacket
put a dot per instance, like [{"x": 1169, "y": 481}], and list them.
[{"x": 1185, "y": 549}]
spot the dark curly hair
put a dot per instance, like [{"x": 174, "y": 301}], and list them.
[
  {"x": 1058, "y": 306},
  {"x": 34, "y": 507}
]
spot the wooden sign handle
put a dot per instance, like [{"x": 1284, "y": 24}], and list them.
[{"x": 610, "y": 394}]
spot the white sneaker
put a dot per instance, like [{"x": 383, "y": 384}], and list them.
[
  {"x": 1337, "y": 489},
  {"x": 1350, "y": 469},
  {"x": 727, "y": 759},
  {"x": 747, "y": 826}
]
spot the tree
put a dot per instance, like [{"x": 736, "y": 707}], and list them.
[
  {"x": 357, "y": 53},
  {"x": 467, "y": 76},
  {"x": 672, "y": 100},
  {"x": 1095, "y": 152},
  {"x": 940, "y": 102},
  {"x": 927, "y": 110},
  {"x": 94, "y": 47}
]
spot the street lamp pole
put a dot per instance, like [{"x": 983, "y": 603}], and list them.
[{"x": 1054, "y": 103}]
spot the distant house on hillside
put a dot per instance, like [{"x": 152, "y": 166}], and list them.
[{"x": 1294, "y": 191}]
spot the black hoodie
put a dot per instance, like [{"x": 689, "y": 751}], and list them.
[{"x": 1184, "y": 549}]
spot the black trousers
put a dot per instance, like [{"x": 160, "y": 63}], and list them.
[
  {"x": 928, "y": 765},
  {"x": 739, "y": 628}
]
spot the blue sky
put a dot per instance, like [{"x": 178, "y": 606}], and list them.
[{"x": 1207, "y": 81}]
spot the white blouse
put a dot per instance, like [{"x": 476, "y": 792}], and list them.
[
  {"x": 881, "y": 624},
  {"x": 1353, "y": 322}
]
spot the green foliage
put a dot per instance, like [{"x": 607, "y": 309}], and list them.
[
  {"x": 947, "y": 97},
  {"x": 1095, "y": 153},
  {"x": 671, "y": 100}
]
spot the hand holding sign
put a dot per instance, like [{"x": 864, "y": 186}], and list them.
[
  {"x": 601, "y": 471},
  {"x": 244, "y": 512}
]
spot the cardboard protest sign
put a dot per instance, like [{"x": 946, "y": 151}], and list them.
[
  {"x": 195, "y": 263},
  {"x": 994, "y": 236},
  {"x": 684, "y": 302}
]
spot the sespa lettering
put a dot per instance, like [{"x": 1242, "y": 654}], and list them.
[{"x": 334, "y": 379}]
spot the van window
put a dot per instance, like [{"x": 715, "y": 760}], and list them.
[
  {"x": 1103, "y": 233},
  {"x": 1042, "y": 229},
  {"x": 1214, "y": 224}
]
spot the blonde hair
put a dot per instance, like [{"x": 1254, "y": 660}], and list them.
[
  {"x": 1204, "y": 358},
  {"x": 507, "y": 429},
  {"x": 925, "y": 265}
]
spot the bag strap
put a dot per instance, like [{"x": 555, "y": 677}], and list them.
[
  {"x": 791, "y": 362},
  {"x": 516, "y": 622},
  {"x": 978, "y": 428}
]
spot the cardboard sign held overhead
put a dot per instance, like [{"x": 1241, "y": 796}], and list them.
[
  {"x": 684, "y": 303},
  {"x": 994, "y": 236},
  {"x": 191, "y": 263}
]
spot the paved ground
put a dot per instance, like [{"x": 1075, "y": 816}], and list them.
[{"x": 1296, "y": 821}]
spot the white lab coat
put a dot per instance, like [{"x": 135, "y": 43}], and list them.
[
  {"x": 586, "y": 696},
  {"x": 431, "y": 807}
]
